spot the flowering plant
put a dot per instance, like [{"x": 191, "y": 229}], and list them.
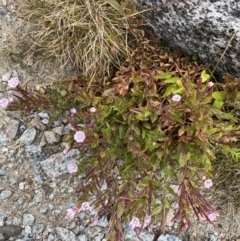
[{"x": 145, "y": 133}]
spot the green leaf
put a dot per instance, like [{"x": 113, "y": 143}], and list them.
[
  {"x": 195, "y": 57},
  {"x": 136, "y": 130},
  {"x": 218, "y": 95},
  {"x": 167, "y": 203},
  {"x": 120, "y": 209},
  {"x": 178, "y": 91},
  {"x": 169, "y": 90},
  {"x": 183, "y": 159},
  {"x": 172, "y": 80},
  {"x": 121, "y": 131},
  {"x": 147, "y": 125},
  {"x": 166, "y": 75},
  {"x": 204, "y": 76},
  {"x": 218, "y": 104},
  {"x": 170, "y": 190},
  {"x": 63, "y": 93},
  {"x": 156, "y": 210}
]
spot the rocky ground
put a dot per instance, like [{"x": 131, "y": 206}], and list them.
[{"x": 35, "y": 187}]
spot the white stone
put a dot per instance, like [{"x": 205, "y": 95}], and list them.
[
  {"x": 28, "y": 219},
  {"x": 21, "y": 185},
  {"x": 28, "y": 136},
  {"x": 66, "y": 234},
  {"x": 6, "y": 76},
  {"x": 5, "y": 194},
  {"x": 28, "y": 229}
]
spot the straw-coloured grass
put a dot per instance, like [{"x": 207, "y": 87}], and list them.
[{"x": 92, "y": 34}]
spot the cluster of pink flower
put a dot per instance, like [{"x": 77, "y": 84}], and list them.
[
  {"x": 4, "y": 102},
  {"x": 72, "y": 212},
  {"x": 12, "y": 83},
  {"x": 135, "y": 223}
]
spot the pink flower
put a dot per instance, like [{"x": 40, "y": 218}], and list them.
[
  {"x": 71, "y": 212},
  {"x": 44, "y": 121},
  {"x": 73, "y": 111},
  {"x": 147, "y": 220},
  {"x": 208, "y": 183},
  {"x": 176, "y": 98},
  {"x": 95, "y": 221},
  {"x": 85, "y": 206},
  {"x": 213, "y": 216},
  {"x": 10, "y": 100},
  {"x": 4, "y": 102},
  {"x": 13, "y": 82},
  {"x": 210, "y": 84},
  {"x": 92, "y": 109},
  {"x": 72, "y": 167},
  {"x": 66, "y": 150},
  {"x": 79, "y": 136},
  {"x": 134, "y": 223}
]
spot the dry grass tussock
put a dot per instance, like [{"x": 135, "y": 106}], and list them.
[{"x": 92, "y": 34}]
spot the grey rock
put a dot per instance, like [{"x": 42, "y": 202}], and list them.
[
  {"x": 58, "y": 130},
  {"x": 81, "y": 215},
  {"x": 36, "y": 155},
  {"x": 47, "y": 189},
  {"x": 12, "y": 128},
  {"x": 6, "y": 76},
  {"x": 51, "y": 237},
  {"x": 51, "y": 206},
  {"x": 169, "y": 237},
  {"x": 102, "y": 222},
  {"x": 5, "y": 194},
  {"x": 199, "y": 27},
  {"x": 28, "y": 229},
  {"x": 82, "y": 237},
  {"x": 28, "y": 219},
  {"x": 37, "y": 196},
  {"x": 3, "y": 138},
  {"x": 213, "y": 237},
  {"x": 28, "y": 136},
  {"x": 56, "y": 165},
  {"x": 3, "y": 10},
  {"x": 12, "y": 180},
  {"x": 1, "y": 237},
  {"x": 20, "y": 201},
  {"x": 38, "y": 228},
  {"x": 66, "y": 234},
  {"x": 44, "y": 209},
  {"x": 2, "y": 172},
  {"x": 43, "y": 115},
  {"x": 130, "y": 235},
  {"x": 10, "y": 230},
  {"x": 51, "y": 137}
]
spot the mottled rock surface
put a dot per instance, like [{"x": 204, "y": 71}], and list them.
[{"x": 202, "y": 27}]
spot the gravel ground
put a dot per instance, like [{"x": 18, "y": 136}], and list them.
[{"x": 35, "y": 187}]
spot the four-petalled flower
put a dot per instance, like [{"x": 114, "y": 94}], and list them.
[
  {"x": 4, "y": 102},
  {"x": 13, "y": 82},
  {"x": 134, "y": 223},
  {"x": 79, "y": 136},
  {"x": 72, "y": 167},
  {"x": 176, "y": 98},
  {"x": 208, "y": 183}
]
